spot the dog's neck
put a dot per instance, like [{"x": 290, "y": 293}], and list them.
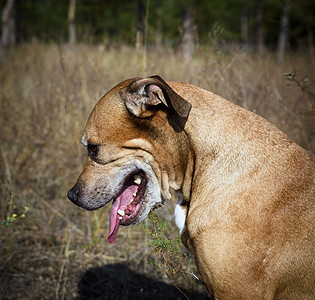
[{"x": 227, "y": 146}]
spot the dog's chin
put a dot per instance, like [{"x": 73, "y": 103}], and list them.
[{"x": 86, "y": 203}]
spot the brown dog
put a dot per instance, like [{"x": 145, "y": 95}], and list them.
[{"x": 246, "y": 191}]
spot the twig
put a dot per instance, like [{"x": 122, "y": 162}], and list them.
[{"x": 61, "y": 216}]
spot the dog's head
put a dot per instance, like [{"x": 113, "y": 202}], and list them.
[{"x": 136, "y": 151}]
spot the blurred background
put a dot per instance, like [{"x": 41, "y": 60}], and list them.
[{"x": 58, "y": 57}]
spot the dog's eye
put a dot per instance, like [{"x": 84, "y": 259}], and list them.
[{"x": 93, "y": 150}]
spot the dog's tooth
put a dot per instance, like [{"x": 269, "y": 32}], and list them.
[
  {"x": 137, "y": 179},
  {"x": 134, "y": 194},
  {"x": 131, "y": 200},
  {"x": 120, "y": 218},
  {"x": 121, "y": 212}
]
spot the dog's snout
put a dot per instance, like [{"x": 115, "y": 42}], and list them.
[{"x": 73, "y": 194}]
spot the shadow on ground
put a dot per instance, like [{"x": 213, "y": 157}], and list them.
[{"x": 118, "y": 281}]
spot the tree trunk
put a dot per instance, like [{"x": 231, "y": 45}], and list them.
[
  {"x": 159, "y": 30},
  {"x": 188, "y": 39},
  {"x": 259, "y": 26},
  {"x": 311, "y": 45},
  {"x": 140, "y": 26},
  {"x": 244, "y": 27},
  {"x": 8, "y": 24},
  {"x": 283, "y": 34},
  {"x": 71, "y": 22}
]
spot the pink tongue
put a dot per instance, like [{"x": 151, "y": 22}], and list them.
[{"x": 122, "y": 201}]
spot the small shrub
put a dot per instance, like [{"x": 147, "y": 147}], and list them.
[{"x": 12, "y": 217}]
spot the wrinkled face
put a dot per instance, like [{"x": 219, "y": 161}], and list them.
[{"x": 133, "y": 154}]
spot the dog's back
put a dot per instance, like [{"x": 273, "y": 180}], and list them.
[{"x": 251, "y": 218}]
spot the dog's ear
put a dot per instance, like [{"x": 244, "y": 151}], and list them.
[{"x": 143, "y": 96}]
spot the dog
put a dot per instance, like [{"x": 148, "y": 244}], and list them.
[{"x": 246, "y": 193}]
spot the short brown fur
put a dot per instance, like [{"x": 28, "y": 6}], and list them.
[{"x": 248, "y": 190}]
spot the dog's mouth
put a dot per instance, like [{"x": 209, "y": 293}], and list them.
[{"x": 128, "y": 205}]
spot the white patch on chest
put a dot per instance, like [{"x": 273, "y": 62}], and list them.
[{"x": 180, "y": 215}]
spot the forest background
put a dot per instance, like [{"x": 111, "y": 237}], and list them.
[
  {"x": 58, "y": 58},
  {"x": 165, "y": 22}
]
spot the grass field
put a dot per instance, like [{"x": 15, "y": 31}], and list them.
[{"x": 58, "y": 251}]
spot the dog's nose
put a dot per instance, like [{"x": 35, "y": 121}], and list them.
[{"x": 73, "y": 194}]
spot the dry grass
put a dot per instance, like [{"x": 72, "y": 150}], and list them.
[{"x": 47, "y": 93}]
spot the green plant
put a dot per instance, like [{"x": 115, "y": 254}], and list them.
[
  {"x": 303, "y": 84},
  {"x": 167, "y": 250},
  {"x": 11, "y": 217}
]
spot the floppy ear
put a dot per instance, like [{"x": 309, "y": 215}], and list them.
[{"x": 142, "y": 97}]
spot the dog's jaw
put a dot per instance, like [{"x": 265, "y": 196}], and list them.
[
  {"x": 146, "y": 193},
  {"x": 129, "y": 183},
  {"x": 127, "y": 206}
]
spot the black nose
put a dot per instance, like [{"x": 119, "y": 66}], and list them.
[{"x": 73, "y": 194}]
